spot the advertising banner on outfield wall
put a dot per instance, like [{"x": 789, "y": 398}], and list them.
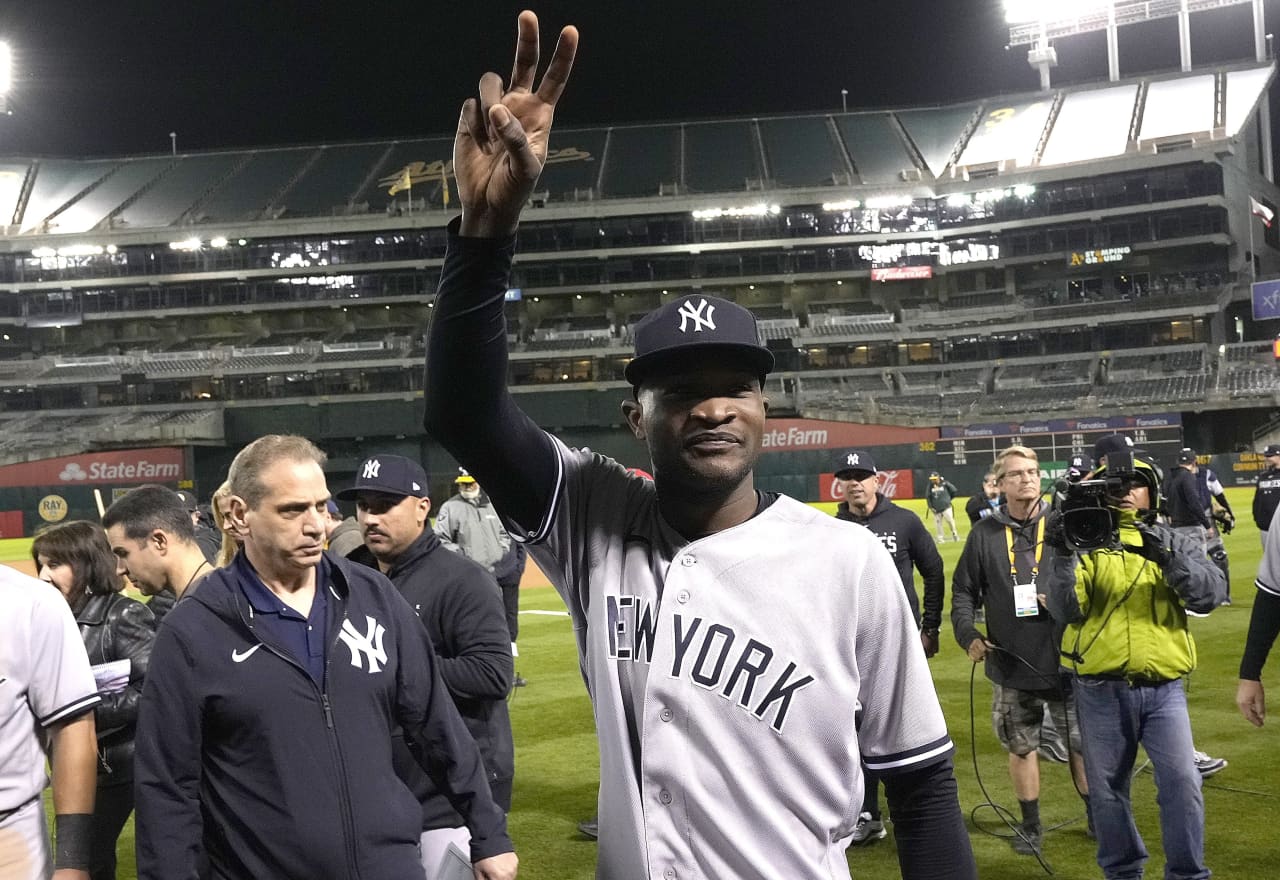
[
  {"x": 796, "y": 435},
  {"x": 136, "y": 466},
  {"x": 893, "y": 484},
  {"x": 1236, "y": 468}
]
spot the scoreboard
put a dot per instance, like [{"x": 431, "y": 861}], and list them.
[{"x": 1056, "y": 440}]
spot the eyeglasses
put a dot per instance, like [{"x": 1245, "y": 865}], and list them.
[{"x": 1029, "y": 473}]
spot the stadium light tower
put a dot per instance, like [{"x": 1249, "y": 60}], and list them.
[{"x": 1036, "y": 23}]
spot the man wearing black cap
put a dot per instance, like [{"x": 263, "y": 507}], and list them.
[
  {"x": 1078, "y": 467},
  {"x": 1182, "y": 499},
  {"x": 458, "y": 601},
  {"x": 719, "y": 627},
  {"x": 1266, "y": 498},
  {"x": 908, "y": 542}
]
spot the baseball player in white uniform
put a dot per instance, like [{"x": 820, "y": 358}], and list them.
[
  {"x": 47, "y": 695},
  {"x": 740, "y": 648}
]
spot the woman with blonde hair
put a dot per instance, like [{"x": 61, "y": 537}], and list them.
[{"x": 218, "y": 506}]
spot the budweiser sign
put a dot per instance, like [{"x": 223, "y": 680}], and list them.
[{"x": 902, "y": 273}]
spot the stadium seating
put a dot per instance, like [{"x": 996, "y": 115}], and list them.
[{"x": 911, "y": 265}]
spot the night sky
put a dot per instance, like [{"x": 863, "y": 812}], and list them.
[{"x": 112, "y": 78}]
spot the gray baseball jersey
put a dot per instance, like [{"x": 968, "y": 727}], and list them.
[
  {"x": 1268, "y": 578},
  {"x": 44, "y": 678},
  {"x": 735, "y": 678}
]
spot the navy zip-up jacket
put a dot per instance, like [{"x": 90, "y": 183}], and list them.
[
  {"x": 461, "y": 606},
  {"x": 246, "y": 764},
  {"x": 909, "y": 543}
]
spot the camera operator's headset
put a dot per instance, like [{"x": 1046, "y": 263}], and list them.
[{"x": 1147, "y": 468}]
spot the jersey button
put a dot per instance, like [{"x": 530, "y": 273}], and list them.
[
  {"x": 665, "y": 797},
  {"x": 666, "y": 714},
  {"x": 670, "y": 874},
  {"x": 687, "y": 561},
  {"x": 682, "y": 596}
]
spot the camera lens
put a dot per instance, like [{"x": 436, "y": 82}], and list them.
[{"x": 1087, "y": 529}]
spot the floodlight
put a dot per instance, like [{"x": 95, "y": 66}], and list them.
[{"x": 6, "y": 68}]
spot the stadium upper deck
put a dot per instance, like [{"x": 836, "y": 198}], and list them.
[{"x": 917, "y": 265}]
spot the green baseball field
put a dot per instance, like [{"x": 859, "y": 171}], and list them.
[{"x": 556, "y": 761}]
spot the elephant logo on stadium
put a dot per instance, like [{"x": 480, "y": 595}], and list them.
[{"x": 72, "y": 472}]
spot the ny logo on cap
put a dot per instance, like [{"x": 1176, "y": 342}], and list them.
[
  {"x": 852, "y": 459},
  {"x": 371, "y": 468},
  {"x": 690, "y": 312}
]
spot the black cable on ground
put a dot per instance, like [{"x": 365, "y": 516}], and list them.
[{"x": 1002, "y": 813}]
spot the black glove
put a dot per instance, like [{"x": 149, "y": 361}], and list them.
[
  {"x": 1226, "y": 522},
  {"x": 1054, "y": 534},
  {"x": 1154, "y": 547}
]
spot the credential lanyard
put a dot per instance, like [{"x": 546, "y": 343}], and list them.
[{"x": 1013, "y": 567}]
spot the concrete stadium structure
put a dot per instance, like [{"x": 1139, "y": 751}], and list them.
[{"x": 1084, "y": 252}]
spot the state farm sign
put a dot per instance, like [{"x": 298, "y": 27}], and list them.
[
  {"x": 793, "y": 435},
  {"x": 156, "y": 465}
]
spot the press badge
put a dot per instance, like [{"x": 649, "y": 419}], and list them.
[{"x": 1025, "y": 601}]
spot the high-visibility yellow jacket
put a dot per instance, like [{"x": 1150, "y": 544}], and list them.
[{"x": 1127, "y": 616}]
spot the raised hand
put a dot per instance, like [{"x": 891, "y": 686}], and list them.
[{"x": 501, "y": 143}]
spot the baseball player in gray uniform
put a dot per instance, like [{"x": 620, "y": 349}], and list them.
[
  {"x": 741, "y": 649},
  {"x": 47, "y": 695}
]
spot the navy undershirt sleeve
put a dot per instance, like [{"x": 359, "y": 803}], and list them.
[
  {"x": 932, "y": 840},
  {"x": 1264, "y": 624},
  {"x": 468, "y": 407}
]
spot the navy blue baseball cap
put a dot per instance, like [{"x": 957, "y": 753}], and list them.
[
  {"x": 392, "y": 474},
  {"x": 1079, "y": 465},
  {"x": 1111, "y": 443},
  {"x": 1273, "y": 449},
  {"x": 1186, "y": 455},
  {"x": 856, "y": 461},
  {"x": 696, "y": 325}
]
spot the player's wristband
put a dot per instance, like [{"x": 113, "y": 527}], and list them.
[
  {"x": 74, "y": 841},
  {"x": 932, "y": 632}
]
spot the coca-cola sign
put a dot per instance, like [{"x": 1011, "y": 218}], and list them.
[{"x": 893, "y": 484}]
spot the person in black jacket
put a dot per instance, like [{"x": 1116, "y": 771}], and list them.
[
  {"x": 984, "y": 502},
  {"x": 1182, "y": 499},
  {"x": 264, "y": 742},
  {"x": 1266, "y": 497},
  {"x": 909, "y": 543},
  {"x": 1000, "y": 570},
  {"x": 75, "y": 558},
  {"x": 461, "y": 606}
]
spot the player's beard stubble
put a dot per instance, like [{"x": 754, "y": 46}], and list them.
[{"x": 687, "y": 473}]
